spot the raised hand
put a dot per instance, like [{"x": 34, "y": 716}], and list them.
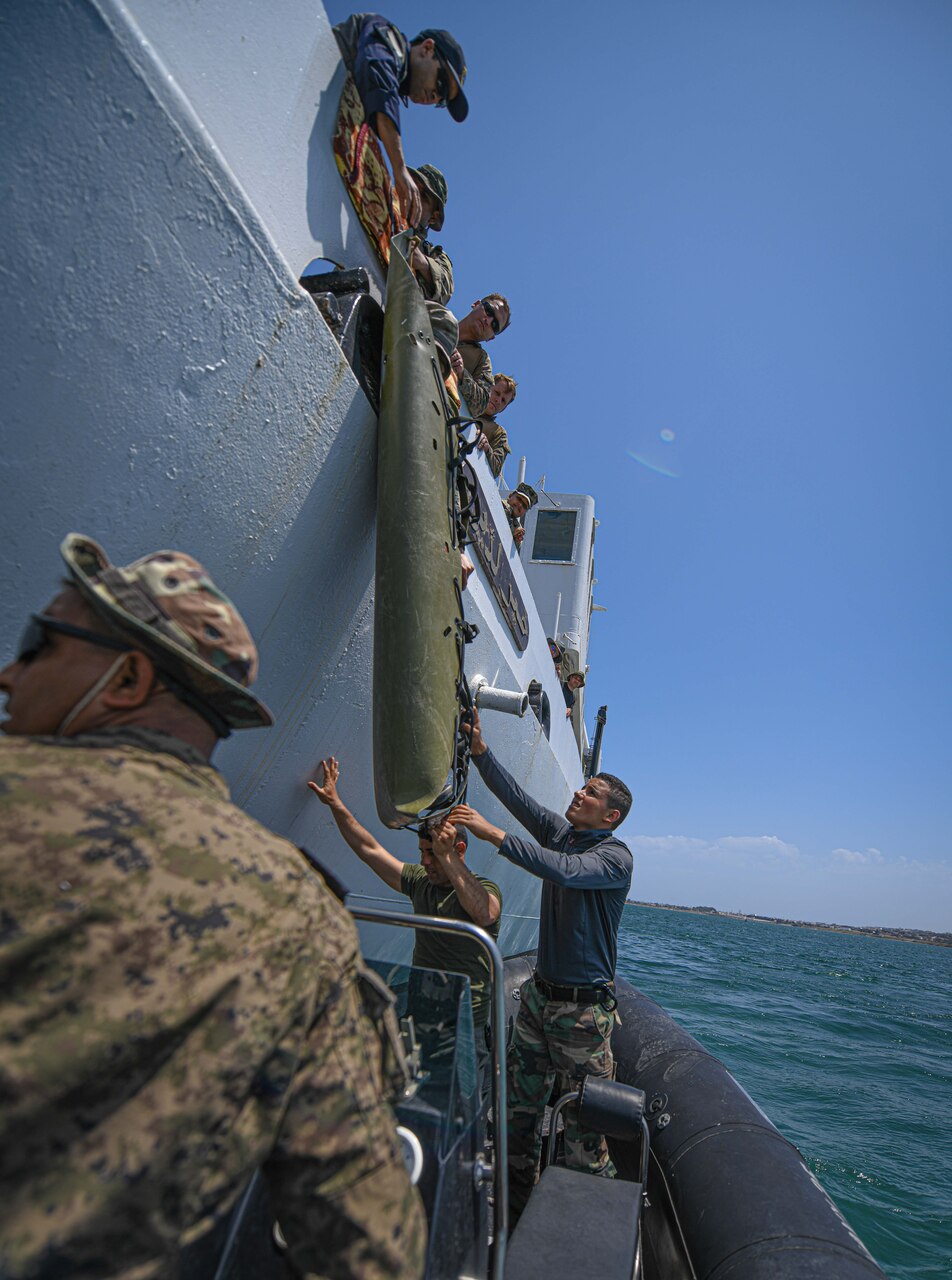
[
  {"x": 476, "y": 744},
  {"x": 409, "y": 195},
  {"x": 442, "y": 838},
  {"x": 465, "y": 816},
  {"x": 327, "y": 793}
]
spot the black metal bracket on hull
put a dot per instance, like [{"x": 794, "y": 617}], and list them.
[
  {"x": 356, "y": 321},
  {"x": 593, "y": 762}
]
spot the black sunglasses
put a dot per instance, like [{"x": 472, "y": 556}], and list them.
[
  {"x": 493, "y": 318},
  {"x": 442, "y": 83},
  {"x": 35, "y": 637}
]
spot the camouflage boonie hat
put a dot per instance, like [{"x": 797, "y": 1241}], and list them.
[
  {"x": 527, "y": 492},
  {"x": 169, "y": 607},
  {"x": 430, "y": 177}
]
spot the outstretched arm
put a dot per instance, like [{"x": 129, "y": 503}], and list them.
[
  {"x": 477, "y": 387},
  {"x": 367, "y": 849},
  {"x": 377, "y": 70},
  {"x": 540, "y": 822},
  {"x": 464, "y": 815},
  {"x": 607, "y": 866},
  {"x": 480, "y": 905},
  {"x": 406, "y": 188}
]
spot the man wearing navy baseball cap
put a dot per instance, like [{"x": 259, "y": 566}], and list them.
[{"x": 429, "y": 70}]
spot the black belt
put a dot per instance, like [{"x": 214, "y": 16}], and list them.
[{"x": 575, "y": 995}]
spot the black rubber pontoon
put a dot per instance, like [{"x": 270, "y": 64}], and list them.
[{"x": 743, "y": 1201}]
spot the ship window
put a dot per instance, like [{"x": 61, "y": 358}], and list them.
[{"x": 555, "y": 536}]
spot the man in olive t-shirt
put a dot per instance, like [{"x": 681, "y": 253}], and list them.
[
  {"x": 446, "y": 951},
  {"x": 441, "y": 885}
]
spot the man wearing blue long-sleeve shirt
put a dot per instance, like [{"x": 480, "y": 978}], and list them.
[
  {"x": 387, "y": 69},
  {"x": 566, "y": 1012}
]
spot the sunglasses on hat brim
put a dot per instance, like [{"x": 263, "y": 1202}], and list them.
[
  {"x": 446, "y": 78},
  {"x": 443, "y": 83}
]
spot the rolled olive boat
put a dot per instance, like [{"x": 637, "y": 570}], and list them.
[{"x": 418, "y": 609}]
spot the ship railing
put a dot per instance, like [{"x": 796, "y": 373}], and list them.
[{"x": 498, "y": 1173}]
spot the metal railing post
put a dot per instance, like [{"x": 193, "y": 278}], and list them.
[{"x": 500, "y": 1136}]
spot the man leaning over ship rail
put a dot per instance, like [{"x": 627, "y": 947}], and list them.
[
  {"x": 492, "y": 439},
  {"x": 430, "y": 262},
  {"x": 566, "y": 1011},
  {"x": 574, "y": 681},
  {"x": 430, "y": 70},
  {"x": 182, "y": 998},
  {"x": 486, "y": 319},
  {"x": 441, "y": 885},
  {"x": 517, "y": 506}
]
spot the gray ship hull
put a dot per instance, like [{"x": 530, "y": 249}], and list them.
[{"x": 170, "y": 384}]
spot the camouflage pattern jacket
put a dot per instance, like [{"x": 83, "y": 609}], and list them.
[
  {"x": 476, "y": 383},
  {"x": 179, "y": 1007},
  {"x": 515, "y": 522},
  {"x": 439, "y": 288},
  {"x": 498, "y": 443}
]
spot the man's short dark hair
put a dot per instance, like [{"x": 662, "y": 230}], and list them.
[{"x": 619, "y": 797}]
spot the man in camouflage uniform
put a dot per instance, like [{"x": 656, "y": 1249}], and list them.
[
  {"x": 565, "y": 1020},
  {"x": 440, "y": 885},
  {"x": 517, "y": 507},
  {"x": 488, "y": 318},
  {"x": 430, "y": 262},
  {"x": 492, "y": 439},
  {"x": 180, "y": 991}
]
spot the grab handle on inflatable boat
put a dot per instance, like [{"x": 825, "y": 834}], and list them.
[{"x": 609, "y": 1107}]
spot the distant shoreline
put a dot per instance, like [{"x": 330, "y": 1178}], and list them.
[{"x": 925, "y": 937}]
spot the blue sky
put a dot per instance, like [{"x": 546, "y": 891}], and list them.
[{"x": 724, "y": 231}]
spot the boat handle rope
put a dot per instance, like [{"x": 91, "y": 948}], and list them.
[{"x": 469, "y": 511}]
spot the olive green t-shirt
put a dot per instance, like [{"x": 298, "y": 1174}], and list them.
[{"x": 443, "y": 950}]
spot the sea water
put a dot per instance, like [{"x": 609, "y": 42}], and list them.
[{"x": 844, "y": 1041}]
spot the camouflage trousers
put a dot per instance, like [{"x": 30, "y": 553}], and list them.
[{"x": 557, "y": 1041}]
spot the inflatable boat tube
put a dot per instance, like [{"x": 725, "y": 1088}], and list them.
[
  {"x": 745, "y": 1202},
  {"x": 728, "y": 1197},
  {"x": 417, "y": 604}
]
